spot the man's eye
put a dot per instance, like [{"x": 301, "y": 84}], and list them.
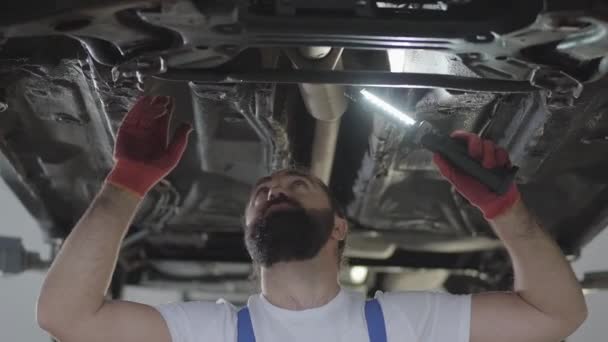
[
  {"x": 263, "y": 190},
  {"x": 298, "y": 183}
]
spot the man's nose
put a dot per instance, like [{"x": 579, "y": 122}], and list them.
[{"x": 276, "y": 192}]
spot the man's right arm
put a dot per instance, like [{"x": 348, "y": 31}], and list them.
[{"x": 72, "y": 305}]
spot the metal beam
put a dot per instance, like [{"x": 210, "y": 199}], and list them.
[{"x": 352, "y": 78}]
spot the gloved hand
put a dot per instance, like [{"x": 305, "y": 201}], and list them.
[
  {"x": 143, "y": 153},
  {"x": 491, "y": 156}
]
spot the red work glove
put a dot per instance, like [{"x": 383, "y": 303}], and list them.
[
  {"x": 491, "y": 156},
  {"x": 143, "y": 153}
]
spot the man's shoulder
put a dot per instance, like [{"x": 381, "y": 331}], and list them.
[
  {"x": 420, "y": 302},
  {"x": 197, "y": 310},
  {"x": 205, "y": 320},
  {"x": 417, "y": 295},
  {"x": 428, "y": 315}
]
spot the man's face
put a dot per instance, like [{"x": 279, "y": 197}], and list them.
[{"x": 289, "y": 218}]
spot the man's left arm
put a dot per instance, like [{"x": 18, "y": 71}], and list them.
[{"x": 547, "y": 303}]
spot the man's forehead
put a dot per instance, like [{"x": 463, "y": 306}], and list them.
[{"x": 287, "y": 173}]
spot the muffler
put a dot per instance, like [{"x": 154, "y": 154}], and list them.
[{"x": 325, "y": 102}]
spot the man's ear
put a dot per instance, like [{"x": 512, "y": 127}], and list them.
[{"x": 340, "y": 230}]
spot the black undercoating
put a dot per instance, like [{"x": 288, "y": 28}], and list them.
[{"x": 63, "y": 109}]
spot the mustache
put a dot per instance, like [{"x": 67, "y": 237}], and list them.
[{"x": 280, "y": 200}]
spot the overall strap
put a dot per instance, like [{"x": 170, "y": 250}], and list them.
[
  {"x": 376, "y": 328},
  {"x": 244, "y": 326},
  {"x": 373, "y": 315}
]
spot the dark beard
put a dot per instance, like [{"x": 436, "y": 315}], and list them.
[{"x": 292, "y": 234}]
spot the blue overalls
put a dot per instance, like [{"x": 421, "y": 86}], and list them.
[{"x": 373, "y": 315}]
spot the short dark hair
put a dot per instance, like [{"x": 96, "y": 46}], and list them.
[{"x": 337, "y": 207}]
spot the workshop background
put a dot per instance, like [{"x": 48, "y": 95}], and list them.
[{"x": 19, "y": 293}]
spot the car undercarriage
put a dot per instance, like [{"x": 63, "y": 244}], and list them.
[{"x": 274, "y": 84}]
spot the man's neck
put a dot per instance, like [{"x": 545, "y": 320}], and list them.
[{"x": 300, "y": 285}]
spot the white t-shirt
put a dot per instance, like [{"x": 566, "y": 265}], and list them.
[{"x": 409, "y": 317}]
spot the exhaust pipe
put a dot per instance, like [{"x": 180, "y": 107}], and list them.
[{"x": 325, "y": 102}]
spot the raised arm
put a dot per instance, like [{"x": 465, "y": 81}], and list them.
[
  {"x": 547, "y": 303},
  {"x": 72, "y": 305}
]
